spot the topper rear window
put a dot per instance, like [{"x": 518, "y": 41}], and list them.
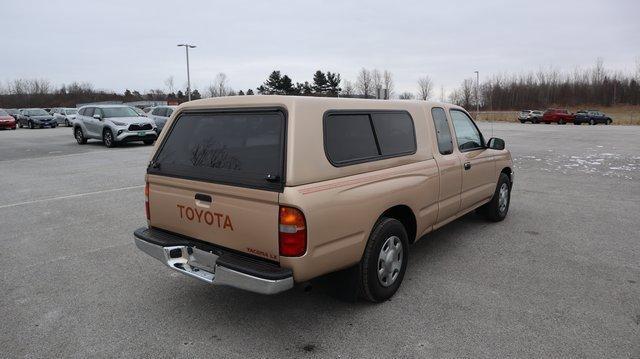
[{"x": 242, "y": 148}]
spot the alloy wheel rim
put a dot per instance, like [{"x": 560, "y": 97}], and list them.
[
  {"x": 107, "y": 138},
  {"x": 503, "y": 198},
  {"x": 390, "y": 261}
]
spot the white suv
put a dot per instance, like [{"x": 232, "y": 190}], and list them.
[{"x": 113, "y": 124}]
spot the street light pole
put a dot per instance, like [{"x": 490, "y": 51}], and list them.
[
  {"x": 186, "y": 48},
  {"x": 477, "y": 98}
]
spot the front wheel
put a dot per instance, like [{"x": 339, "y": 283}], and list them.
[
  {"x": 66, "y": 123},
  {"x": 107, "y": 139},
  {"x": 31, "y": 125},
  {"x": 384, "y": 261},
  {"x": 148, "y": 142},
  {"x": 496, "y": 210},
  {"x": 609, "y": 121},
  {"x": 80, "y": 136},
  {"x": 592, "y": 122}
]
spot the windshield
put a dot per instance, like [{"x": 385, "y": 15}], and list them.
[
  {"x": 37, "y": 112},
  {"x": 71, "y": 111},
  {"x": 118, "y": 112},
  {"x": 13, "y": 111},
  {"x": 3, "y": 113}
]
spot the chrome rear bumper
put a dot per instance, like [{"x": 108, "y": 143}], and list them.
[{"x": 209, "y": 267}]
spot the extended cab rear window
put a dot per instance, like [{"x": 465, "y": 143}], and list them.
[
  {"x": 242, "y": 148},
  {"x": 362, "y": 136}
]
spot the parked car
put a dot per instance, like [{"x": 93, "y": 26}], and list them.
[
  {"x": 113, "y": 124},
  {"x": 65, "y": 116},
  {"x": 591, "y": 117},
  {"x": 558, "y": 115},
  {"x": 35, "y": 117},
  {"x": 533, "y": 116},
  {"x": 147, "y": 109},
  {"x": 262, "y": 192},
  {"x": 7, "y": 121},
  {"x": 160, "y": 115}
]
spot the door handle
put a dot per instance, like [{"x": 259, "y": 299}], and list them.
[
  {"x": 203, "y": 197},
  {"x": 467, "y": 166}
]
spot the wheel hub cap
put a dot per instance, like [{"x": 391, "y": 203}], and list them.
[
  {"x": 390, "y": 261},
  {"x": 503, "y": 197}
]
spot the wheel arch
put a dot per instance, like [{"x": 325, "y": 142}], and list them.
[{"x": 405, "y": 215}]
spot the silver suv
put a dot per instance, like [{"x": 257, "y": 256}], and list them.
[
  {"x": 113, "y": 124},
  {"x": 160, "y": 115}
]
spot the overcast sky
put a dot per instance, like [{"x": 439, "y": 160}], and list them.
[{"x": 132, "y": 44}]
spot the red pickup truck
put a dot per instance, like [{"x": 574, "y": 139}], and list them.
[{"x": 558, "y": 115}]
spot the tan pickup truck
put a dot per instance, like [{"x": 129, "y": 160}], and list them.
[{"x": 264, "y": 192}]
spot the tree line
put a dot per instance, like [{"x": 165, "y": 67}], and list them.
[{"x": 547, "y": 88}]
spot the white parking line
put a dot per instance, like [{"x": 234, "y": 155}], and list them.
[{"x": 69, "y": 196}]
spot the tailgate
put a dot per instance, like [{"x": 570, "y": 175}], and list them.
[
  {"x": 217, "y": 176},
  {"x": 242, "y": 219}
]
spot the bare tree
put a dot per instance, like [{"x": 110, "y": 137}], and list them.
[
  {"x": 406, "y": 96},
  {"x": 387, "y": 81},
  {"x": 364, "y": 83},
  {"x": 425, "y": 86},
  {"x": 376, "y": 80},
  {"x": 170, "y": 84},
  {"x": 219, "y": 87},
  {"x": 348, "y": 90}
]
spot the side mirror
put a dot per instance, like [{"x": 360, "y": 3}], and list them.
[
  {"x": 496, "y": 144},
  {"x": 97, "y": 117}
]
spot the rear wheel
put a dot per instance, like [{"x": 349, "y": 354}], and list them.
[
  {"x": 79, "y": 136},
  {"x": 496, "y": 210},
  {"x": 66, "y": 123},
  {"x": 592, "y": 122},
  {"x": 107, "y": 138},
  {"x": 148, "y": 142},
  {"x": 609, "y": 121},
  {"x": 30, "y": 125},
  {"x": 384, "y": 261}
]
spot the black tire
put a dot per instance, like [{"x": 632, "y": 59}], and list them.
[
  {"x": 30, "y": 125},
  {"x": 608, "y": 122},
  {"x": 576, "y": 123},
  {"x": 19, "y": 124},
  {"x": 66, "y": 122},
  {"x": 494, "y": 210},
  {"x": 561, "y": 122},
  {"x": 148, "y": 142},
  {"x": 79, "y": 136},
  {"x": 108, "y": 139},
  {"x": 521, "y": 121},
  {"x": 387, "y": 233},
  {"x": 592, "y": 122}
]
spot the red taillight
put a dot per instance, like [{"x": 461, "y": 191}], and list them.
[
  {"x": 146, "y": 201},
  {"x": 292, "y": 232}
]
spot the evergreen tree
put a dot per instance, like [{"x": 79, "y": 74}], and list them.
[
  {"x": 195, "y": 95},
  {"x": 286, "y": 86},
  {"x": 273, "y": 84},
  {"x": 249, "y": 92},
  {"x": 319, "y": 83},
  {"x": 333, "y": 84},
  {"x": 240, "y": 93},
  {"x": 180, "y": 94}
]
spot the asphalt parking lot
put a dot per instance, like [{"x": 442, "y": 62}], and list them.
[{"x": 559, "y": 277}]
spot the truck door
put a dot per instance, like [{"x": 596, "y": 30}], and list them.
[
  {"x": 449, "y": 166},
  {"x": 479, "y": 174}
]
